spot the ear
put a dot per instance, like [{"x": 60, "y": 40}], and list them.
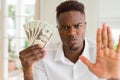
[{"x": 85, "y": 23}]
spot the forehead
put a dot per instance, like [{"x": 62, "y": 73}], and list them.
[{"x": 71, "y": 17}]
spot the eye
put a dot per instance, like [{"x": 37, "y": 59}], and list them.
[
  {"x": 65, "y": 27},
  {"x": 77, "y": 26}
]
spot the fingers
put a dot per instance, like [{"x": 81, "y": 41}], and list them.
[
  {"x": 31, "y": 47},
  {"x": 104, "y": 36},
  {"x": 29, "y": 50},
  {"x": 110, "y": 39},
  {"x": 31, "y": 59},
  {"x": 98, "y": 39},
  {"x": 118, "y": 48},
  {"x": 86, "y": 62},
  {"x": 31, "y": 55}
]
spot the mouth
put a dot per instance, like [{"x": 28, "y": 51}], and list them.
[{"x": 73, "y": 41}]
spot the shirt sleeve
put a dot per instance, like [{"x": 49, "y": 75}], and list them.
[{"x": 39, "y": 72}]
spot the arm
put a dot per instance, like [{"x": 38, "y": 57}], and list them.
[
  {"x": 28, "y": 74},
  {"x": 108, "y": 59},
  {"x": 28, "y": 57}
]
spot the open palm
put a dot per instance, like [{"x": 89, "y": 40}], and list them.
[{"x": 108, "y": 59}]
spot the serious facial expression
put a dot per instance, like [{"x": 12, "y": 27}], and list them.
[{"x": 71, "y": 26}]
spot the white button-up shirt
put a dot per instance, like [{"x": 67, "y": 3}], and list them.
[{"x": 55, "y": 66}]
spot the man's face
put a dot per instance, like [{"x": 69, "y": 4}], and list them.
[{"x": 71, "y": 26}]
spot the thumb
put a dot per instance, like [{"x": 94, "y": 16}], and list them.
[{"x": 86, "y": 62}]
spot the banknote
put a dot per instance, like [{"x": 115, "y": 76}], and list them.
[{"x": 39, "y": 32}]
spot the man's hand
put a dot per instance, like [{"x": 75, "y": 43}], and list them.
[
  {"x": 108, "y": 59},
  {"x": 28, "y": 57}
]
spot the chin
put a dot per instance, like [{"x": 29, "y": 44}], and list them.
[{"x": 73, "y": 48}]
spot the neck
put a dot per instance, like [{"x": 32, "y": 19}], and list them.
[{"x": 73, "y": 55}]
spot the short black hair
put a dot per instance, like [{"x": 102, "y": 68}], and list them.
[{"x": 70, "y": 5}]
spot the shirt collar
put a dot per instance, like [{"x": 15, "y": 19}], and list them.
[
  {"x": 60, "y": 53},
  {"x": 86, "y": 50}
]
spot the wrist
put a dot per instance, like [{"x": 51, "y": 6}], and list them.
[{"x": 28, "y": 74}]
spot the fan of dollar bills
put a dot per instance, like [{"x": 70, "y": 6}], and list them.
[{"x": 39, "y": 32}]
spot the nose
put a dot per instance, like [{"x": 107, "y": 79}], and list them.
[{"x": 72, "y": 31}]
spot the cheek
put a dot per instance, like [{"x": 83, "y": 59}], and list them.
[
  {"x": 81, "y": 33},
  {"x": 62, "y": 35}
]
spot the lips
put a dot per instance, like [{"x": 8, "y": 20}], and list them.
[{"x": 73, "y": 41}]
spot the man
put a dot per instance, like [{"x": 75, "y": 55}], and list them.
[{"x": 76, "y": 58}]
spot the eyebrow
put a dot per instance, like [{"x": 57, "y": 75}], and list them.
[
  {"x": 73, "y": 24},
  {"x": 78, "y": 23}
]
